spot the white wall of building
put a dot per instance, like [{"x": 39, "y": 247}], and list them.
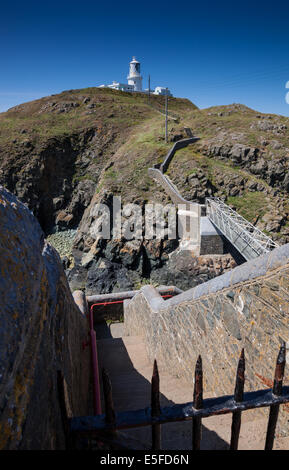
[
  {"x": 121, "y": 86},
  {"x": 160, "y": 90}
]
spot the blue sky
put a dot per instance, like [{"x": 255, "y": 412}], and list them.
[{"x": 210, "y": 52}]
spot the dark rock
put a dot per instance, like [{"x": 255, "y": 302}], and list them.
[
  {"x": 259, "y": 168},
  {"x": 65, "y": 262},
  {"x": 104, "y": 277},
  {"x": 77, "y": 277},
  {"x": 176, "y": 137},
  {"x": 47, "y": 183}
]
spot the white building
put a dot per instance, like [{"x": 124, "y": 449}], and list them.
[
  {"x": 120, "y": 86},
  {"x": 160, "y": 90},
  {"x": 134, "y": 82}
]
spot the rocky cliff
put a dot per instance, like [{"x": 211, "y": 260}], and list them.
[
  {"x": 53, "y": 150},
  {"x": 42, "y": 331},
  {"x": 64, "y": 154},
  {"x": 242, "y": 157}
]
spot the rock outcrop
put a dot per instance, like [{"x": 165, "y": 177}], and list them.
[
  {"x": 42, "y": 331},
  {"x": 53, "y": 150},
  {"x": 272, "y": 170},
  {"x": 61, "y": 154}
]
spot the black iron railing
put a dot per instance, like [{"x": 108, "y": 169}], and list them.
[{"x": 109, "y": 423}]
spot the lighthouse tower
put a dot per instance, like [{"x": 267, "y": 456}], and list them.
[{"x": 134, "y": 78}]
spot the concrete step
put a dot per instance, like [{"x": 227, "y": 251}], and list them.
[
  {"x": 122, "y": 355},
  {"x": 216, "y": 436},
  {"x": 116, "y": 329}
]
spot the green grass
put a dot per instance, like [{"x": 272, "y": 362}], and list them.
[
  {"x": 84, "y": 178},
  {"x": 123, "y": 110},
  {"x": 193, "y": 171},
  {"x": 249, "y": 205},
  {"x": 144, "y": 282},
  {"x": 130, "y": 134}
]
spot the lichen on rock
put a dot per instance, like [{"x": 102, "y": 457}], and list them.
[{"x": 42, "y": 332}]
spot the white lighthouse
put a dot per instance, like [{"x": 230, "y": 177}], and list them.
[{"x": 134, "y": 78}]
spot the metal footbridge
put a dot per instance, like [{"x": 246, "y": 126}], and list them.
[
  {"x": 244, "y": 236},
  {"x": 248, "y": 239}
]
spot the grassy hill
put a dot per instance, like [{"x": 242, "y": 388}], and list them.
[
  {"x": 53, "y": 150},
  {"x": 242, "y": 156},
  {"x": 59, "y": 151},
  {"x": 75, "y": 110}
]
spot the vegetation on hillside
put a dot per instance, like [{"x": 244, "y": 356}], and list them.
[{"x": 110, "y": 139}]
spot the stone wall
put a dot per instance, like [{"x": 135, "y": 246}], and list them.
[
  {"x": 42, "y": 331},
  {"x": 246, "y": 307}
]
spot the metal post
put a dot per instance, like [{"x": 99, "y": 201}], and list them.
[
  {"x": 198, "y": 404},
  {"x": 238, "y": 397},
  {"x": 166, "y": 111},
  {"x": 149, "y": 87},
  {"x": 276, "y": 392}
]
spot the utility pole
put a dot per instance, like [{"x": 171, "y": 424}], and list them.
[
  {"x": 166, "y": 111},
  {"x": 149, "y": 87}
]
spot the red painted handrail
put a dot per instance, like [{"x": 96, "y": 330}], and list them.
[
  {"x": 95, "y": 371},
  {"x": 94, "y": 357}
]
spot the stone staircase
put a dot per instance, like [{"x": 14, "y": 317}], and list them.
[{"x": 130, "y": 370}]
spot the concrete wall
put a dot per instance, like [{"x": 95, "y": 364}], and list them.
[
  {"x": 177, "y": 146},
  {"x": 168, "y": 186},
  {"x": 211, "y": 245},
  {"x": 211, "y": 240},
  {"x": 246, "y": 307}
]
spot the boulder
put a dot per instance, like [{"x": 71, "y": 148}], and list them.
[
  {"x": 42, "y": 332},
  {"x": 104, "y": 276}
]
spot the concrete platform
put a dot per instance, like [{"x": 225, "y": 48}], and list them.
[{"x": 207, "y": 228}]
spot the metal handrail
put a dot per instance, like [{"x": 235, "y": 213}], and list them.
[{"x": 233, "y": 226}]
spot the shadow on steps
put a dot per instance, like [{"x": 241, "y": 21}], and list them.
[{"x": 125, "y": 359}]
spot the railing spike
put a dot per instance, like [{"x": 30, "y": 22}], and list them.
[
  {"x": 155, "y": 407},
  {"x": 94, "y": 426},
  {"x": 277, "y": 391},
  {"x": 240, "y": 378},
  {"x": 198, "y": 389},
  {"x": 238, "y": 397},
  {"x": 198, "y": 404},
  {"x": 279, "y": 370}
]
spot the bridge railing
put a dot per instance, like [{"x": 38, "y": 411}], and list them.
[{"x": 248, "y": 239}]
